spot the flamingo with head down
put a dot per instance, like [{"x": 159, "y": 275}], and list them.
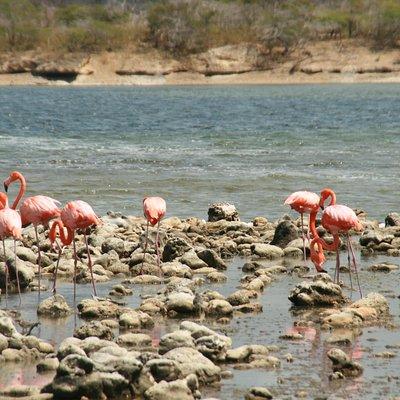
[
  {"x": 154, "y": 209},
  {"x": 66, "y": 240},
  {"x": 10, "y": 226},
  {"x": 75, "y": 215},
  {"x": 35, "y": 210},
  {"x": 336, "y": 219},
  {"x": 304, "y": 203}
]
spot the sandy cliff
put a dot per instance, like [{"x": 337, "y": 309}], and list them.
[{"x": 323, "y": 62}]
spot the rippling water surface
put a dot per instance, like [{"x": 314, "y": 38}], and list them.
[{"x": 195, "y": 145}]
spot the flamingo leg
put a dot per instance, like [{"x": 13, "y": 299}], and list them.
[
  {"x": 337, "y": 265},
  {"x": 39, "y": 260},
  {"x": 75, "y": 266},
  {"x": 16, "y": 271},
  {"x": 145, "y": 246},
  {"x": 355, "y": 265},
  {"x": 158, "y": 247},
  {"x": 349, "y": 266},
  {"x": 303, "y": 237},
  {"x": 90, "y": 263},
  {"x": 60, "y": 250},
  {"x": 6, "y": 271}
]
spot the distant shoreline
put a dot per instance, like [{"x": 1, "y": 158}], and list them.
[
  {"x": 324, "y": 62},
  {"x": 185, "y": 79}
]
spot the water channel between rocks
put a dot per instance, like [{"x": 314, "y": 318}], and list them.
[{"x": 310, "y": 368}]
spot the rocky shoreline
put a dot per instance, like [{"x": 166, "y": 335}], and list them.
[
  {"x": 322, "y": 62},
  {"x": 114, "y": 355}
]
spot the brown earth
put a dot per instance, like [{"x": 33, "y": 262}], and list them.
[{"x": 322, "y": 62}]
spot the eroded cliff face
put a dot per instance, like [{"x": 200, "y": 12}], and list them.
[{"x": 326, "y": 61}]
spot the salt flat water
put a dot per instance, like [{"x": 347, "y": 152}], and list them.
[{"x": 250, "y": 145}]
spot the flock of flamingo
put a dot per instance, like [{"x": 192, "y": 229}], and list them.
[
  {"x": 336, "y": 219},
  {"x": 40, "y": 210}
]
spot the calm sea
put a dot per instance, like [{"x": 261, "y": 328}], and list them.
[{"x": 251, "y": 146}]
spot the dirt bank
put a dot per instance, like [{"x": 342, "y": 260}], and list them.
[{"x": 323, "y": 62}]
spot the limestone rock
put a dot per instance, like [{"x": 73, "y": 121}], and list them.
[
  {"x": 94, "y": 328},
  {"x": 175, "y": 247},
  {"x": 268, "y": 251},
  {"x": 180, "y": 338},
  {"x": 258, "y": 393},
  {"x": 55, "y": 306},
  {"x": 212, "y": 259},
  {"x": 182, "y": 389},
  {"x": 342, "y": 363},
  {"x": 392, "y": 219},
  {"x": 191, "y": 361},
  {"x": 319, "y": 292},
  {"x": 222, "y": 211},
  {"x": 285, "y": 232}
]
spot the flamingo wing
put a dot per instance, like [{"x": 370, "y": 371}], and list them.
[
  {"x": 10, "y": 224},
  {"x": 303, "y": 201},
  {"x": 154, "y": 208},
  {"x": 340, "y": 218},
  {"x": 39, "y": 210},
  {"x": 78, "y": 214}
]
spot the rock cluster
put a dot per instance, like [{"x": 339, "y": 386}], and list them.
[
  {"x": 378, "y": 240},
  {"x": 321, "y": 291},
  {"x": 15, "y": 347},
  {"x": 185, "y": 360}
]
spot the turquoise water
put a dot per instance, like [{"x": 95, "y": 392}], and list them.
[{"x": 194, "y": 145}]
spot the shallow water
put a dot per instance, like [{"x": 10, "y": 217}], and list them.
[
  {"x": 251, "y": 145},
  {"x": 310, "y": 368}
]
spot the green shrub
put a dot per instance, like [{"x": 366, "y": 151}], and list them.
[
  {"x": 179, "y": 26},
  {"x": 386, "y": 26},
  {"x": 19, "y": 25}
]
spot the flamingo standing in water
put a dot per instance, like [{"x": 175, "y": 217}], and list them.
[
  {"x": 66, "y": 240},
  {"x": 78, "y": 215},
  {"x": 10, "y": 226},
  {"x": 154, "y": 209},
  {"x": 35, "y": 210},
  {"x": 337, "y": 218},
  {"x": 304, "y": 203}
]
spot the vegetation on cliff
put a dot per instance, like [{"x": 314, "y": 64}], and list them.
[{"x": 191, "y": 26}]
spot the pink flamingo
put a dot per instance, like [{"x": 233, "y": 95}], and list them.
[
  {"x": 317, "y": 257},
  {"x": 304, "y": 203},
  {"x": 66, "y": 240},
  {"x": 154, "y": 209},
  {"x": 35, "y": 210},
  {"x": 79, "y": 215},
  {"x": 10, "y": 226},
  {"x": 337, "y": 218}
]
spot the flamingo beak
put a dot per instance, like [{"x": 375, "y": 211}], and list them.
[
  {"x": 5, "y": 187},
  {"x": 322, "y": 207}
]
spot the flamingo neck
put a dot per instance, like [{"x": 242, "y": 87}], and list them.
[
  {"x": 333, "y": 246},
  {"x": 330, "y": 247},
  {"x": 333, "y": 198},
  {"x": 326, "y": 193},
  {"x": 65, "y": 239},
  {"x": 317, "y": 257},
  {"x": 3, "y": 201},
  {"x": 22, "y": 189},
  {"x": 312, "y": 223}
]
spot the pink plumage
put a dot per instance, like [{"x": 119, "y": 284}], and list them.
[
  {"x": 39, "y": 210},
  {"x": 303, "y": 201},
  {"x": 154, "y": 208},
  {"x": 78, "y": 215},
  {"x": 339, "y": 218},
  {"x": 10, "y": 224}
]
